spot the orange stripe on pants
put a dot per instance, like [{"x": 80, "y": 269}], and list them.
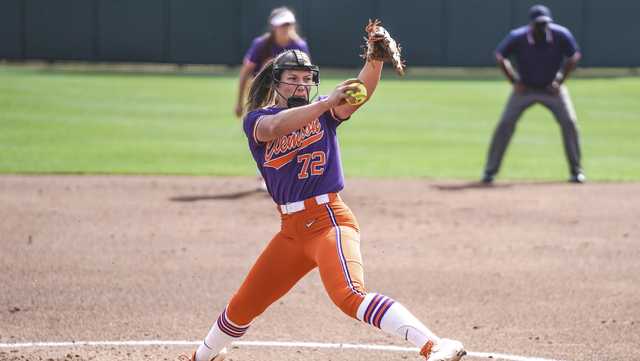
[{"x": 307, "y": 239}]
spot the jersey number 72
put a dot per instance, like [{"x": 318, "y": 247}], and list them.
[{"x": 311, "y": 163}]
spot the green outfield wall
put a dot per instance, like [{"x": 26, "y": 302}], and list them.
[{"x": 432, "y": 32}]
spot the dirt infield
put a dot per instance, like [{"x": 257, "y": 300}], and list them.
[{"x": 548, "y": 270}]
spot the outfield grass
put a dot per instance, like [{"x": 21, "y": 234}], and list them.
[{"x": 78, "y": 122}]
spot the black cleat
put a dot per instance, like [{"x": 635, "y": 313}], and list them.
[
  {"x": 487, "y": 178},
  {"x": 578, "y": 178}
]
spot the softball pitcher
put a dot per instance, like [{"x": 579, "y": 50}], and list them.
[{"x": 295, "y": 146}]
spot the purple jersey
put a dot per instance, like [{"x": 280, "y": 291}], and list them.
[
  {"x": 538, "y": 64},
  {"x": 302, "y": 164},
  {"x": 255, "y": 51}
]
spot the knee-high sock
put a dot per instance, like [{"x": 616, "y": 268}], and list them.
[
  {"x": 392, "y": 317},
  {"x": 221, "y": 334}
]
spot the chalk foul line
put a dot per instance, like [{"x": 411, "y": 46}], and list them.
[{"x": 289, "y": 344}]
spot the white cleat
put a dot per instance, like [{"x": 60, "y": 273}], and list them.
[
  {"x": 444, "y": 350},
  {"x": 219, "y": 357}
]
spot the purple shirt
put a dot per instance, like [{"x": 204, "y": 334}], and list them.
[
  {"x": 302, "y": 164},
  {"x": 539, "y": 62},
  {"x": 254, "y": 52}
]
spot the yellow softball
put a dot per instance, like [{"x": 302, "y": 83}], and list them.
[{"x": 359, "y": 94}]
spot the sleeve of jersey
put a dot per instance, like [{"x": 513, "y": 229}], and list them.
[
  {"x": 252, "y": 52},
  {"x": 570, "y": 44},
  {"x": 331, "y": 115},
  {"x": 304, "y": 47},
  {"x": 249, "y": 125},
  {"x": 505, "y": 48}
]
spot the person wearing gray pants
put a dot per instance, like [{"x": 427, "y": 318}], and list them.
[{"x": 545, "y": 55}]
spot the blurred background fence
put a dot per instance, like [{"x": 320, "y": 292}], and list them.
[{"x": 433, "y": 32}]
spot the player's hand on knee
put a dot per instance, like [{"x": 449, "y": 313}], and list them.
[
  {"x": 238, "y": 110},
  {"x": 554, "y": 88},
  {"x": 519, "y": 87}
]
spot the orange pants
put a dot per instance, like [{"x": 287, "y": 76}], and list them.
[{"x": 324, "y": 236}]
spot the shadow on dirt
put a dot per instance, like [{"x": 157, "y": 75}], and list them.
[
  {"x": 220, "y": 197},
  {"x": 480, "y": 185}
]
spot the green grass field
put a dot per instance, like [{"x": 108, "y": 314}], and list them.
[{"x": 82, "y": 122}]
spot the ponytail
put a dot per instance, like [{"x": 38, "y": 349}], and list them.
[{"x": 261, "y": 92}]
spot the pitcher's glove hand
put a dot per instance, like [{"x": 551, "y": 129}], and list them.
[{"x": 381, "y": 46}]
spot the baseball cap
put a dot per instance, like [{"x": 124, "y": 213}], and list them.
[
  {"x": 283, "y": 17},
  {"x": 540, "y": 14}
]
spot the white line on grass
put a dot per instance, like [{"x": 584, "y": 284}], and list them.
[{"x": 389, "y": 348}]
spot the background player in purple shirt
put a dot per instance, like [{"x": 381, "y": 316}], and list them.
[
  {"x": 282, "y": 36},
  {"x": 294, "y": 143},
  {"x": 545, "y": 54}
]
